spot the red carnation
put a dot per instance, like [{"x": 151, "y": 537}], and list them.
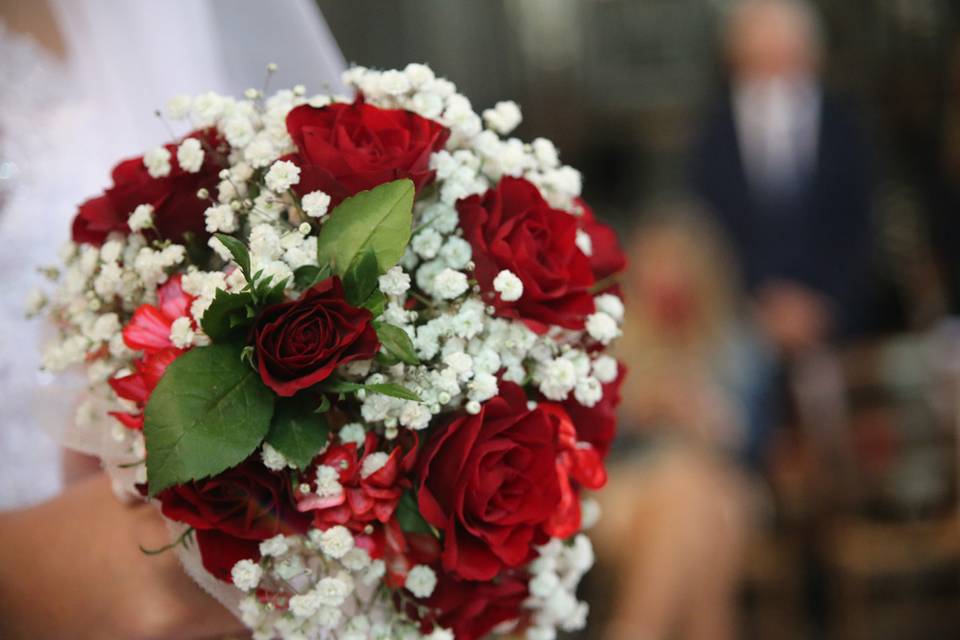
[
  {"x": 370, "y": 491},
  {"x": 177, "y": 209},
  {"x": 301, "y": 343},
  {"x": 512, "y": 227},
  {"x": 149, "y": 331},
  {"x": 343, "y": 149},
  {"x": 578, "y": 465}
]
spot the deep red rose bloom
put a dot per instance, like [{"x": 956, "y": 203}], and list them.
[
  {"x": 219, "y": 552},
  {"x": 246, "y": 503},
  {"x": 598, "y": 424},
  {"x": 606, "y": 256},
  {"x": 343, "y": 149},
  {"x": 177, "y": 209},
  {"x": 473, "y": 609},
  {"x": 512, "y": 227},
  {"x": 301, "y": 343},
  {"x": 489, "y": 483},
  {"x": 364, "y": 499},
  {"x": 149, "y": 331}
]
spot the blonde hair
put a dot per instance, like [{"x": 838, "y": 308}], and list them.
[{"x": 657, "y": 354}]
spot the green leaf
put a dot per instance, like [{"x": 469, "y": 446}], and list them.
[
  {"x": 207, "y": 414},
  {"x": 197, "y": 250},
  {"x": 360, "y": 279},
  {"x": 379, "y": 219},
  {"x": 308, "y": 275},
  {"x": 239, "y": 252},
  {"x": 376, "y": 303},
  {"x": 227, "y": 313},
  {"x": 386, "y": 359},
  {"x": 393, "y": 390},
  {"x": 324, "y": 405},
  {"x": 387, "y": 389},
  {"x": 408, "y": 515},
  {"x": 341, "y": 386},
  {"x": 397, "y": 343},
  {"x": 298, "y": 431},
  {"x": 268, "y": 292}
]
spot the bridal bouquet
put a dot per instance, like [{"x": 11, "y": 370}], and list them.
[{"x": 354, "y": 349}]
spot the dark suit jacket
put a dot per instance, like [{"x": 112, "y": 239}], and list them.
[{"x": 819, "y": 236}]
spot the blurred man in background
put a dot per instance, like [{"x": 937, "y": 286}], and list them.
[{"x": 784, "y": 172}]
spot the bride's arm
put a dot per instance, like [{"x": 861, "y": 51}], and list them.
[{"x": 72, "y": 567}]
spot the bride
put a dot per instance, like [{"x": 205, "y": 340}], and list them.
[{"x": 80, "y": 82}]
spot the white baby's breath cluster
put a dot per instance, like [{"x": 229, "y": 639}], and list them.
[
  {"x": 331, "y": 587},
  {"x": 98, "y": 289},
  {"x": 323, "y": 586},
  {"x": 476, "y": 157},
  {"x": 554, "y": 577}
]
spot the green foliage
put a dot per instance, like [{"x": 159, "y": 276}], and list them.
[
  {"x": 360, "y": 279},
  {"x": 376, "y": 303},
  {"x": 268, "y": 292},
  {"x": 207, "y": 414},
  {"x": 396, "y": 342},
  {"x": 308, "y": 275},
  {"x": 379, "y": 220},
  {"x": 297, "y": 430},
  {"x": 408, "y": 515},
  {"x": 239, "y": 251},
  {"x": 228, "y": 314},
  {"x": 387, "y": 389}
]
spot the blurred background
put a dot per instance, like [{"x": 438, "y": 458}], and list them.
[{"x": 786, "y": 179}]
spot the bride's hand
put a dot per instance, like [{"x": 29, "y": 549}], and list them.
[{"x": 72, "y": 567}]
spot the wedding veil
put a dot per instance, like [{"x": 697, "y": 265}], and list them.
[
  {"x": 66, "y": 123},
  {"x": 133, "y": 56}
]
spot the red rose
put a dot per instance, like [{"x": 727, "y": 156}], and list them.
[
  {"x": 598, "y": 424},
  {"x": 300, "y": 343},
  {"x": 489, "y": 484},
  {"x": 606, "y": 257},
  {"x": 219, "y": 552},
  {"x": 512, "y": 227},
  {"x": 139, "y": 385},
  {"x": 177, "y": 209},
  {"x": 472, "y": 609},
  {"x": 343, "y": 149},
  {"x": 246, "y": 503}
]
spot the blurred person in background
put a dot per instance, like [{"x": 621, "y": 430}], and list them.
[
  {"x": 685, "y": 419},
  {"x": 784, "y": 171}
]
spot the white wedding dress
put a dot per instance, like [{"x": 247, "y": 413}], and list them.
[{"x": 63, "y": 125}]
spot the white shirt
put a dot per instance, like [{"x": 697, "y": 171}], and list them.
[{"x": 778, "y": 124}]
